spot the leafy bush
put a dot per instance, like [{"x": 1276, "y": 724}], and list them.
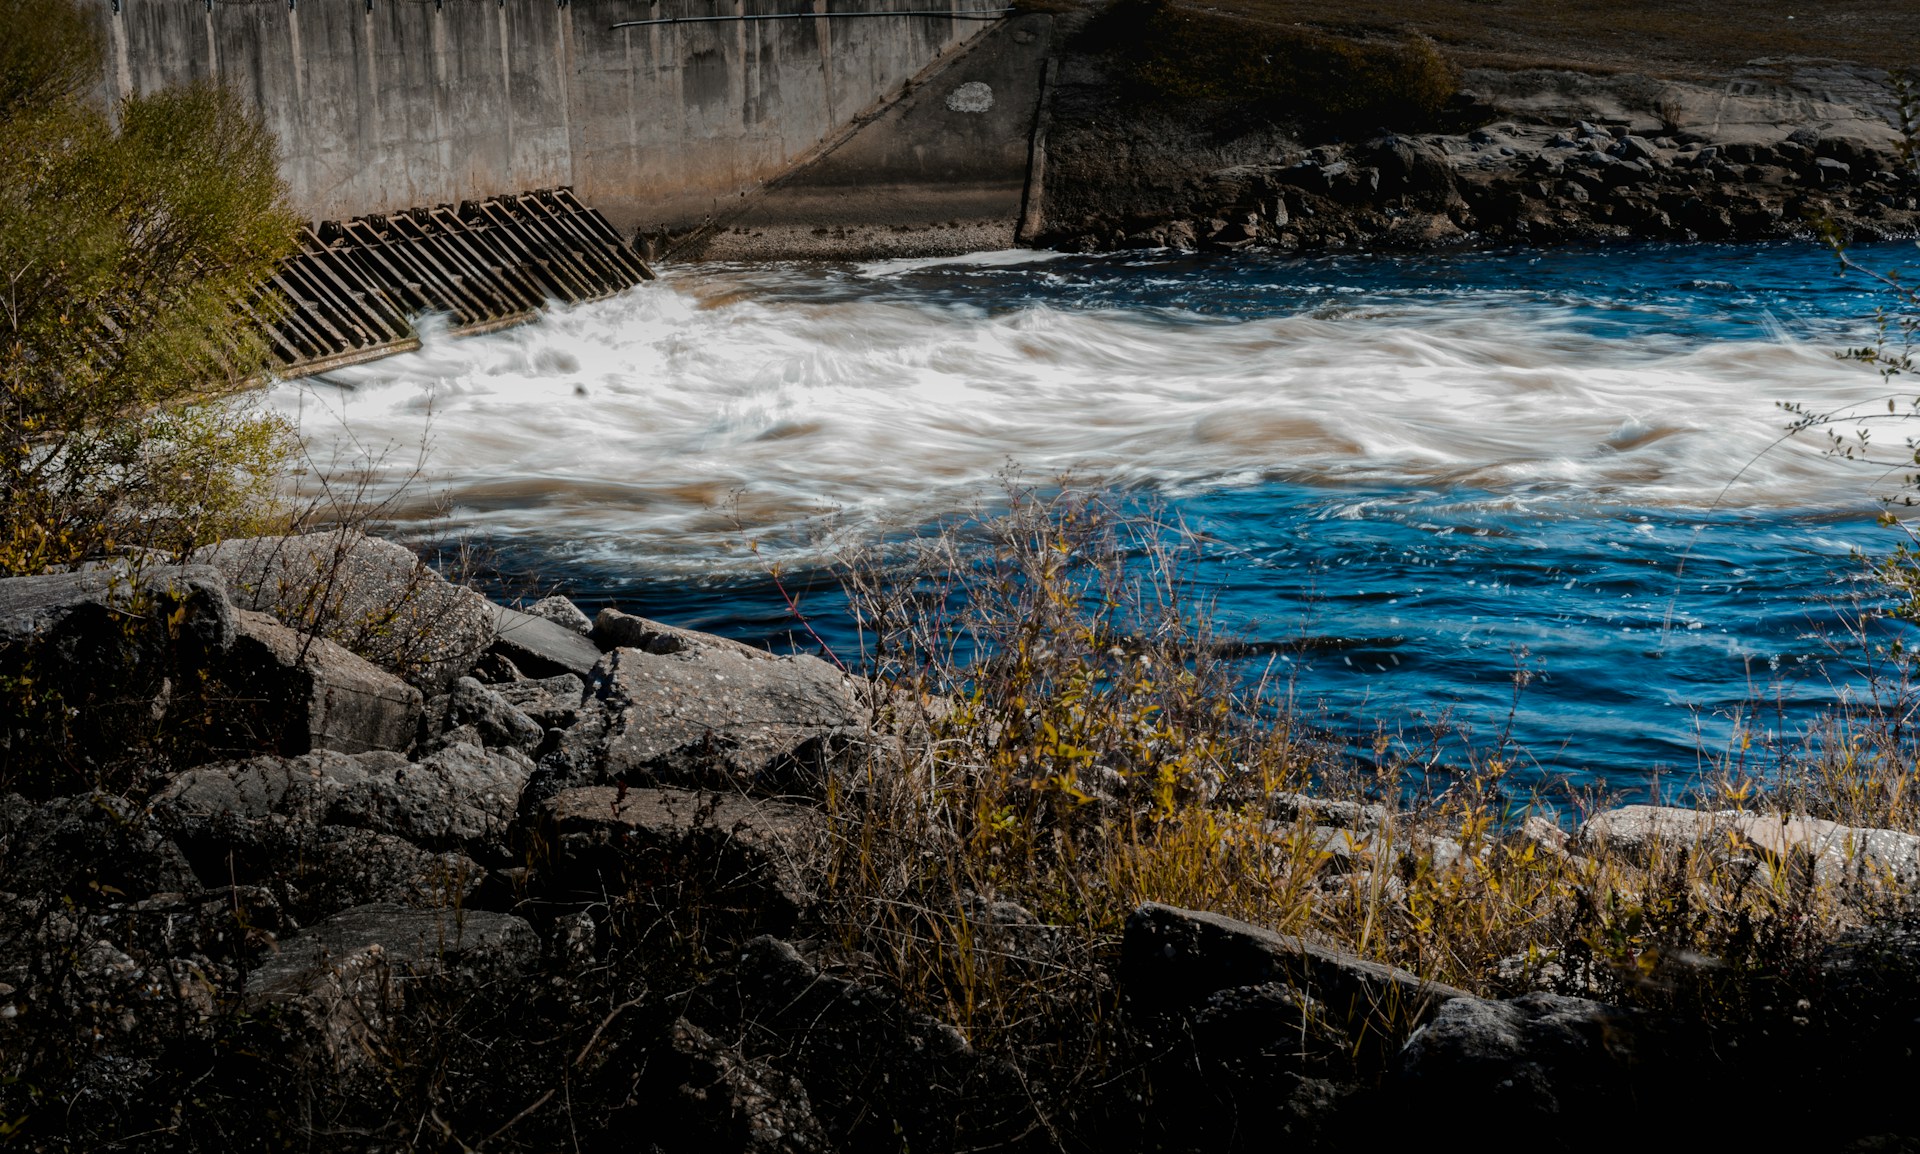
[
  {"x": 134, "y": 247},
  {"x": 1183, "y": 53}
]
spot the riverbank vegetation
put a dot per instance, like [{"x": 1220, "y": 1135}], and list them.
[
  {"x": 134, "y": 243},
  {"x": 1048, "y": 734}
]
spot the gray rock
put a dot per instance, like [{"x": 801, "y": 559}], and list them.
[
  {"x": 298, "y": 693},
  {"x": 43, "y": 610},
  {"x": 563, "y": 613},
  {"x": 1830, "y": 171},
  {"x": 344, "y": 866},
  {"x": 538, "y": 647},
  {"x": 725, "y": 716},
  {"x": 373, "y": 597},
  {"x": 1636, "y": 148},
  {"x": 117, "y": 657},
  {"x": 1826, "y": 851},
  {"x": 1537, "y": 1055},
  {"x": 1173, "y": 959},
  {"x": 460, "y": 799},
  {"x": 759, "y": 859},
  {"x": 552, "y": 702},
  {"x": 495, "y": 720},
  {"x": 340, "y": 984},
  {"x": 88, "y": 848}
]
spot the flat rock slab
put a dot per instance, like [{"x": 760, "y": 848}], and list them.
[
  {"x": 539, "y": 647},
  {"x": 1174, "y": 959},
  {"x": 748, "y": 858},
  {"x": 724, "y": 716}
]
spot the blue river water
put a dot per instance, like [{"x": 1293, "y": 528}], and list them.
[{"x": 1539, "y": 500}]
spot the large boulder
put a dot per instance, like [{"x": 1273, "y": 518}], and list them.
[
  {"x": 374, "y": 597},
  {"x": 296, "y": 693},
  {"x": 724, "y": 716},
  {"x": 748, "y": 862},
  {"x": 1535, "y": 1058},
  {"x": 101, "y": 668}
]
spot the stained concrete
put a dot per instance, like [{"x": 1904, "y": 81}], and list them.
[
  {"x": 397, "y": 103},
  {"x": 943, "y": 170}
]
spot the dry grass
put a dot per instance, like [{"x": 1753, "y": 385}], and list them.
[{"x": 1075, "y": 745}]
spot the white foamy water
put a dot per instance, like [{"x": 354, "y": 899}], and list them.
[{"x": 706, "y": 408}]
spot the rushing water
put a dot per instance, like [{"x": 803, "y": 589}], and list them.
[{"x": 1445, "y": 468}]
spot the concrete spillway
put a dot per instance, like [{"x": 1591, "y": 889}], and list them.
[
  {"x": 353, "y": 290},
  {"x": 382, "y": 105}
]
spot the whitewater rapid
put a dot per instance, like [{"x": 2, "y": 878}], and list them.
[{"x": 721, "y": 403}]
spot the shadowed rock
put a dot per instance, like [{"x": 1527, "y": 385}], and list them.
[
  {"x": 744, "y": 860},
  {"x": 882, "y": 1076},
  {"x": 299, "y": 693},
  {"x": 1173, "y": 958},
  {"x": 704, "y": 1096},
  {"x": 340, "y": 984}
]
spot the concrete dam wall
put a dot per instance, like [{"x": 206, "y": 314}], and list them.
[{"x": 381, "y": 105}]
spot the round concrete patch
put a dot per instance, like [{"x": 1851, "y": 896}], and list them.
[{"x": 972, "y": 96}]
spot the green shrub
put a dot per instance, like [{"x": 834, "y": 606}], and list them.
[
  {"x": 1187, "y": 54},
  {"x": 134, "y": 246}
]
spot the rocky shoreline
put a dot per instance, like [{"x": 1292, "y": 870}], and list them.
[
  {"x": 526, "y": 873},
  {"x": 1793, "y": 149}
]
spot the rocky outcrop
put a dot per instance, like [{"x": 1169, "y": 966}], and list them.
[{"x": 1557, "y": 157}]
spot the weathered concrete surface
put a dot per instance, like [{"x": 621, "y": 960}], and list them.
[
  {"x": 382, "y": 107},
  {"x": 942, "y": 171}
]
